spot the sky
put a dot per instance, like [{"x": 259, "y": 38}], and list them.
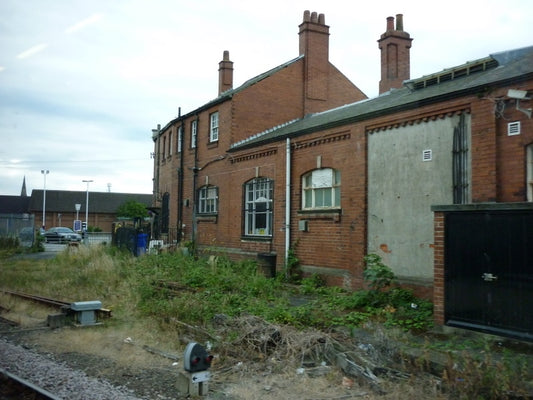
[{"x": 83, "y": 83}]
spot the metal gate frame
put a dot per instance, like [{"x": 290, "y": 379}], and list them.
[{"x": 488, "y": 274}]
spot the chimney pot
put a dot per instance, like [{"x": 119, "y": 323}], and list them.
[
  {"x": 390, "y": 24},
  {"x": 399, "y": 22},
  {"x": 314, "y": 17},
  {"x": 321, "y": 19},
  {"x": 307, "y": 16}
]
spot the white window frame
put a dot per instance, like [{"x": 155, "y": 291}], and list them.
[
  {"x": 258, "y": 207},
  {"x": 170, "y": 143},
  {"x": 208, "y": 200},
  {"x": 321, "y": 189},
  {"x": 213, "y": 127},
  {"x": 194, "y": 132},
  {"x": 180, "y": 138}
]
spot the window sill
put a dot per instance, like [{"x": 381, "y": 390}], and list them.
[
  {"x": 212, "y": 145},
  {"x": 250, "y": 238},
  {"x": 327, "y": 213},
  {"x": 207, "y": 218}
]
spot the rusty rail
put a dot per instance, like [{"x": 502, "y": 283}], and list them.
[{"x": 50, "y": 302}]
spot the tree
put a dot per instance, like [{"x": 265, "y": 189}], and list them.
[{"x": 132, "y": 209}]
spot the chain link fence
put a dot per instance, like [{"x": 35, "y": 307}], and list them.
[{"x": 21, "y": 226}]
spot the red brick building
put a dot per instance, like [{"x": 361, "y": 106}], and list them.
[
  {"x": 192, "y": 163},
  {"x": 298, "y": 158}
]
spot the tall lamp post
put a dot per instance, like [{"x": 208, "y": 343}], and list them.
[
  {"x": 44, "y": 172},
  {"x": 87, "y": 204}
]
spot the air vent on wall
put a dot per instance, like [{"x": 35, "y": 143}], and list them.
[
  {"x": 427, "y": 155},
  {"x": 513, "y": 128}
]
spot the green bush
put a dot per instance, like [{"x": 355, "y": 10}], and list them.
[{"x": 376, "y": 274}]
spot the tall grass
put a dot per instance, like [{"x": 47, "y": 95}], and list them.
[{"x": 79, "y": 274}]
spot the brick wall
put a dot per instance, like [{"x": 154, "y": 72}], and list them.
[{"x": 438, "y": 271}]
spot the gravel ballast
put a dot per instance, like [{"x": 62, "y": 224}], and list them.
[{"x": 56, "y": 377}]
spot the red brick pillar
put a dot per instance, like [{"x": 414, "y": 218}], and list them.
[{"x": 438, "y": 268}]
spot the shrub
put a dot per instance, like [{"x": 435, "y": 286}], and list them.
[{"x": 376, "y": 274}]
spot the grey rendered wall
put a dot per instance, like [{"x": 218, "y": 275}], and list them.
[{"x": 401, "y": 189}]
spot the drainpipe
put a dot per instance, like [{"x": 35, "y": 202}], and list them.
[
  {"x": 194, "y": 194},
  {"x": 287, "y": 204},
  {"x": 180, "y": 186}
]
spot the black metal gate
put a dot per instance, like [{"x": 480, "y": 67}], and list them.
[{"x": 489, "y": 272}]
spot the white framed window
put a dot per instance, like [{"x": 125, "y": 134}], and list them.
[
  {"x": 170, "y": 143},
  {"x": 213, "y": 127},
  {"x": 258, "y": 207},
  {"x": 180, "y": 138},
  {"x": 208, "y": 200},
  {"x": 321, "y": 188},
  {"x": 194, "y": 130}
]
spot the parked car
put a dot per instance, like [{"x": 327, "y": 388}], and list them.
[{"x": 61, "y": 235}]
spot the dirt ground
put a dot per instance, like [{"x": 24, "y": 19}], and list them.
[{"x": 264, "y": 361}]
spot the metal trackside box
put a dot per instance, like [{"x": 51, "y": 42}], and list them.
[{"x": 85, "y": 311}]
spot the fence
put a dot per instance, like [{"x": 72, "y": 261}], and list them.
[
  {"x": 18, "y": 225},
  {"x": 93, "y": 238}
]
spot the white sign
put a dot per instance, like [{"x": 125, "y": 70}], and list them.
[{"x": 201, "y": 376}]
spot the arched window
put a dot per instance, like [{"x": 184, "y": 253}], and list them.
[
  {"x": 208, "y": 200},
  {"x": 321, "y": 188},
  {"x": 258, "y": 207}
]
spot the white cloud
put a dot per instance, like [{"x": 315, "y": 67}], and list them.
[
  {"x": 84, "y": 23},
  {"x": 32, "y": 51}
]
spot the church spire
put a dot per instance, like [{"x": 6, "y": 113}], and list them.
[{"x": 23, "y": 191}]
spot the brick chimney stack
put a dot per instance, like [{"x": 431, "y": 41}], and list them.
[
  {"x": 314, "y": 45},
  {"x": 225, "y": 73},
  {"x": 395, "y": 59}
]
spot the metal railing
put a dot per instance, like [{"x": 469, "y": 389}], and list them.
[{"x": 94, "y": 238}]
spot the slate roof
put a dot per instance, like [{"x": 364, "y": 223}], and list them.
[
  {"x": 497, "y": 69},
  {"x": 99, "y": 202},
  {"x": 14, "y": 204}
]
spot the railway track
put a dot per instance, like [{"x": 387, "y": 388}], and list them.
[
  {"x": 51, "y": 302},
  {"x": 38, "y": 299},
  {"x": 13, "y": 387}
]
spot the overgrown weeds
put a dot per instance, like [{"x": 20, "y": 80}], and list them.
[
  {"x": 234, "y": 289},
  {"x": 249, "y": 310},
  {"x": 470, "y": 376},
  {"x": 174, "y": 285}
]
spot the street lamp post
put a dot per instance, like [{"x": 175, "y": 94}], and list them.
[
  {"x": 44, "y": 172},
  {"x": 87, "y": 204}
]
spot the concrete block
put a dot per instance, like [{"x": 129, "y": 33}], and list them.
[{"x": 193, "y": 383}]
